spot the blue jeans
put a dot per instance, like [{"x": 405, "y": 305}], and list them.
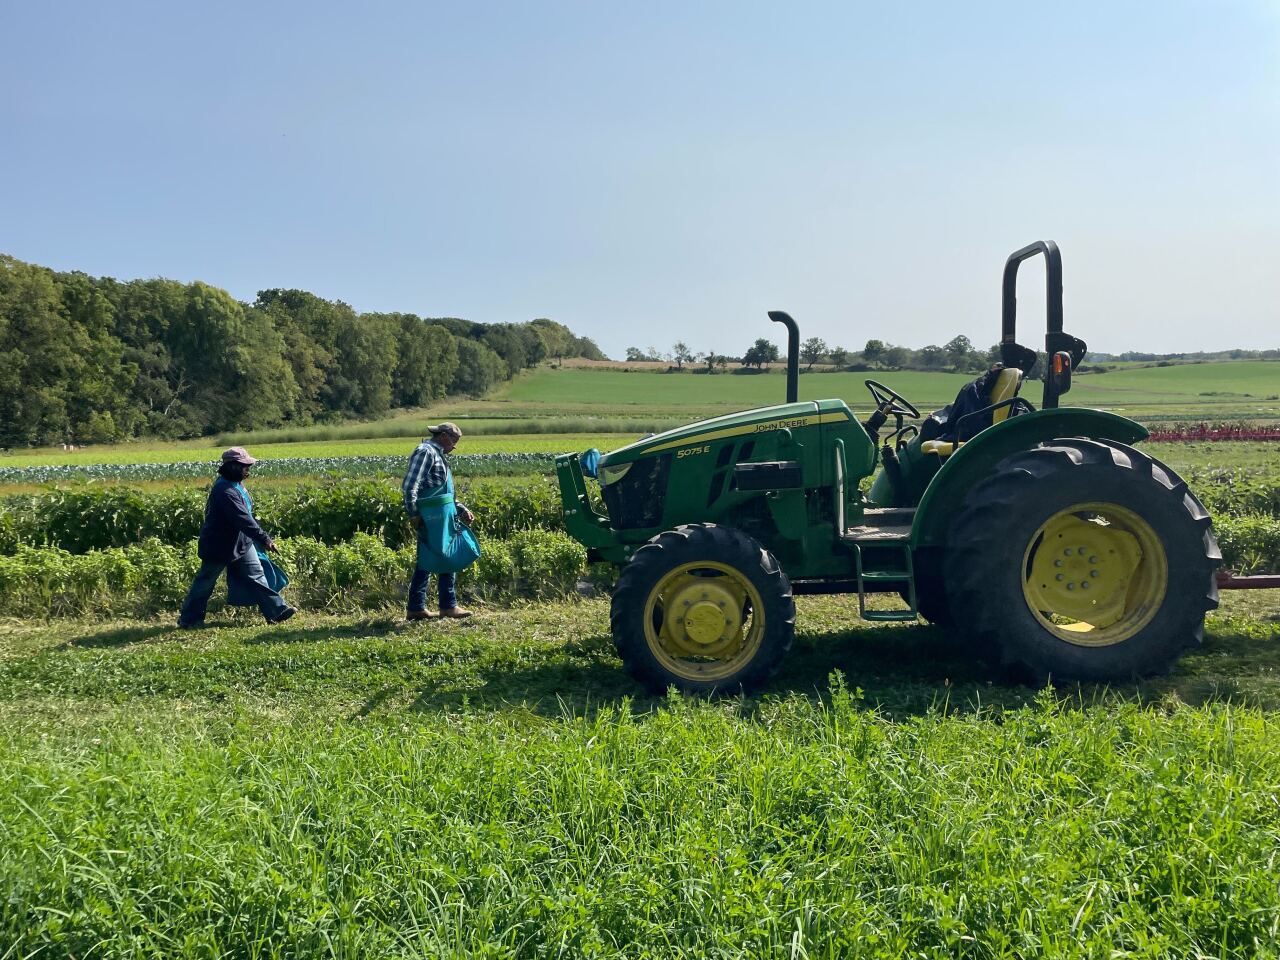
[
  {"x": 247, "y": 568},
  {"x": 418, "y": 591}
]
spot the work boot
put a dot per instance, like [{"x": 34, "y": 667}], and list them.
[
  {"x": 284, "y": 615},
  {"x": 455, "y": 613},
  {"x": 421, "y": 615}
]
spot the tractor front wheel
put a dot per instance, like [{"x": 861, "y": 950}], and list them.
[
  {"x": 703, "y": 608},
  {"x": 1082, "y": 560}
]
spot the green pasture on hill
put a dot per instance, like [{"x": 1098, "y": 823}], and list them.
[
  {"x": 1211, "y": 385},
  {"x": 615, "y": 390}
]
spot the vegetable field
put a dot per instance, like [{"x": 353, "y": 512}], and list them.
[{"x": 352, "y": 785}]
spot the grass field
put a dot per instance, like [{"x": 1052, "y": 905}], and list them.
[
  {"x": 1252, "y": 386},
  {"x": 356, "y": 787}
]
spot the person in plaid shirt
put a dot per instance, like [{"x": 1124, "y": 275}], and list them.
[{"x": 427, "y": 482}]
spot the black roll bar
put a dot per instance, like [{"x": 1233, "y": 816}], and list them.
[
  {"x": 1014, "y": 354},
  {"x": 793, "y": 352},
  {"x": 1052, "y": 289}
]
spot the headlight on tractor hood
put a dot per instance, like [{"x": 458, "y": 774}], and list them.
[{"x": 610, "y": 475}]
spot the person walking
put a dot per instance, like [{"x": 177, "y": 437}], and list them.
[
  {"x": 231, "y": 540},
  {"x": 444, "y": 546}
]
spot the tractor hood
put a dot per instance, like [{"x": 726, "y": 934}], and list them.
[{"x": 782, "y": 416}]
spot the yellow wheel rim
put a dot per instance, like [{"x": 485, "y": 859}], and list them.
[
  {"x": 704, "y": 621},
  {"x": 1095, "y": 574}
]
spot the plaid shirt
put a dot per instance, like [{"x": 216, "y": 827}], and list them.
[{"x": 427, "y": 472}]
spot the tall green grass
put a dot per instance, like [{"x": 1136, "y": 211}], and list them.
[{"x": 792, "y": 828}]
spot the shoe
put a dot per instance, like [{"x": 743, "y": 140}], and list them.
[
  {"x": 183, "y": 625},
  {"x": 284, "y": 615},
  {"x": 455, "y": 613},
  {"x": 421, "y": 615}
]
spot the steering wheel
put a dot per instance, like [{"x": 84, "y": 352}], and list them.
[{"x": 889, "y": 402}]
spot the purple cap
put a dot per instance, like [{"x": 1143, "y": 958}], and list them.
[{"x": 238, "y": 455}]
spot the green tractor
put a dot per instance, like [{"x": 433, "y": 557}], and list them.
[{"x": 1043, "y": 538}]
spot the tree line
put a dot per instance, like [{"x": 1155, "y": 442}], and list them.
[
  {"x": 957, "y": 354},
  {"x": 92, "y": 359}
]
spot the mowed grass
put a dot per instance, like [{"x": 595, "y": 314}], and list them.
[
  {"x": 1211, "y": 385},
  {"x": 617, "y": 390},
  {"x": 358, "y": 787}
]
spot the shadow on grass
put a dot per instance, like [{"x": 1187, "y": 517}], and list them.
[
  {"x": 371, "y": 627},
  {"x": 118, "y": 637},
  {"x": 901, "y": 671},
  {"x": 123, "y": 636}
]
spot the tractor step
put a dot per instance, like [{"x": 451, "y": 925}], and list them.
[
  {"x": 905, "y": 575},
  {"x": 887, "y": 575},
  {"x": 890, "y": 616},
  {"x": 886, "y": 525}
]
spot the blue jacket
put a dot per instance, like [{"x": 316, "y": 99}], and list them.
[{"x": 229, "y": 530}]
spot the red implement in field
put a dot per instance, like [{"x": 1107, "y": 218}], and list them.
[{"x": 1262, "y": 581}]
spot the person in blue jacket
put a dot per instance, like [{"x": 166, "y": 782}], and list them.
[
  {"x": 445, "y": 543},
  {"x": 230, "y": 540}
]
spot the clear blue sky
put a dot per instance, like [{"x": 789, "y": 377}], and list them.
[{"x": 661, "y": 171}]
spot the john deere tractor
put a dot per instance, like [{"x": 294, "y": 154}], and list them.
[{"x": 1041, "y": 537}]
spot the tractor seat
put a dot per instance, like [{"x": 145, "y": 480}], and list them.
[{"x": 1006, "y": 387}]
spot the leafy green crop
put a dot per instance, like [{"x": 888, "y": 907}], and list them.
[
  {"x": 464, "y": 464},
  {"x": 360, "y": 573},
  {"x": 331, "y": 510}
]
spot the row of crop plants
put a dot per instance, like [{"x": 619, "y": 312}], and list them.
[
  {"x": 90, "y": 550},
  {"x": 152, "y": 577},
  {"x": 464, "y": 465},
  {"x": 1196, "y": 432}
]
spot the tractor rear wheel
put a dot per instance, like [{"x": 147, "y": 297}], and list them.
[
  {"x": 702, "y": 608},
  {"x": 1082, "y": 560}
]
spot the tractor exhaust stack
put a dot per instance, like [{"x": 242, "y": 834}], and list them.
[{"x": 793, "y": 353}]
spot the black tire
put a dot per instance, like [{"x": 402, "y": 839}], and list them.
[
  {"x": 994, "y": 533},
  {"x": 690, "y": 544},
  {"x": 931, "y": 587}
]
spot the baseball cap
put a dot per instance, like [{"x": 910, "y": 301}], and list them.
[
  {"x": 238, "y": 455},
  {"x": 450, "y": 428}
]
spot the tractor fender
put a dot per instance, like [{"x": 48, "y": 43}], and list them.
[{"x": 976, "y": 458}]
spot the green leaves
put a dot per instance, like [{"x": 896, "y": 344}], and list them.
[
  {"x": 361, "y": 573},
  {"x": 89, "y": 359},
  {"x": 334, "y": 510},
  {"x": 464, "y": 464}
]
